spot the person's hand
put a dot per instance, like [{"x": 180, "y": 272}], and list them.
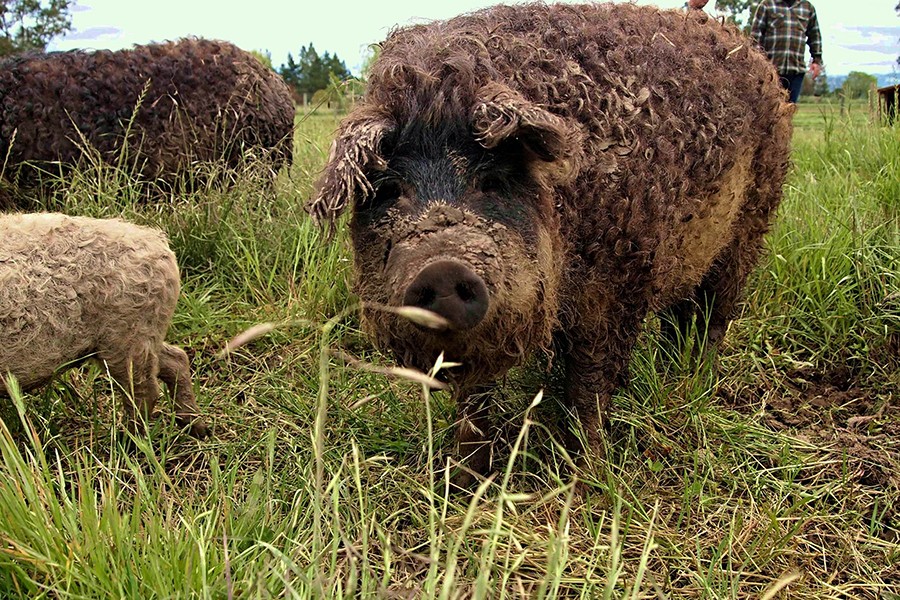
[
  {"x": 814, "y": 69},
  {"x": 698, "y": 4}
]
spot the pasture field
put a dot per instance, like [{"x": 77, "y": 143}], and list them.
[{"x": 775, "y": 475}]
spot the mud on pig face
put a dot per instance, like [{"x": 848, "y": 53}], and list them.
[{"x": 455, "y": 215}]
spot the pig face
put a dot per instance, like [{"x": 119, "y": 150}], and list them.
[{"x": 457, "y": 216}]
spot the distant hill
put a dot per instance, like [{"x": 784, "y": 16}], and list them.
[{"x": 837, "y": 81}]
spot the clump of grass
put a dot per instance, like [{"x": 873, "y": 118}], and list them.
[{"x": 828, "y": 286}]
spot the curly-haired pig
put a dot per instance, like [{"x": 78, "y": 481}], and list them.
[
  {"x": 547, "y": 175},
  {"x": 173, "y": 106},
  {"x": 74, "y": 288}
]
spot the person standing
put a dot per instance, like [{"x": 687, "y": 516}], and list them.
[{"x": 780, "y": 28}]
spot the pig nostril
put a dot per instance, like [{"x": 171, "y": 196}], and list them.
[
  {"x": 465, "y": 291},
  {"x": 425, "y": 298}
]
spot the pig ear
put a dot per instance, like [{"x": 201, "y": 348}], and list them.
[
  {"x": 357, "y": 151},
  {"x": 503, "y": 115}
]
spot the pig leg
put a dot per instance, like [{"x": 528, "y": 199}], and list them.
[
  {"x": 136, "y": 377},
  {"x": 473, "y": 440},
  {"x": 588, "y": 392},
  {"x": 675, "y": 324},
  {"x": 713, "y": 302},
  {"x": 720, "y": 291},
  {"x": 595, "y": 367},
  {"x": 175, "y": 371}
]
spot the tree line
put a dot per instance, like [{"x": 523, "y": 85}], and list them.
[
  {"x": 31, "y": 25},
  {"x": 313, "y": 73}
]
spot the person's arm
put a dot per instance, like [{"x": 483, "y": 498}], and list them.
[
  {"x": 759, "y": 24},
  {"x": 814, "y": 40}
]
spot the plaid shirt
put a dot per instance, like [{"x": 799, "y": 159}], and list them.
[{"x": 780, "y": 27}]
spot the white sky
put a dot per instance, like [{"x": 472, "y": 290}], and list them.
[{"x": 858, "y": 35}]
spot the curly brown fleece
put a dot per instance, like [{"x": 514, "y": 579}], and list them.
[
  {"x": 657, "y": 143},
  {"x": 73, "y": 288},
  {"x": 200, "y": 100}
]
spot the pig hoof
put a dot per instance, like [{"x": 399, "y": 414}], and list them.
[
  {"x": 200, "y": 430},
  {"x": 464, "y": 481}
]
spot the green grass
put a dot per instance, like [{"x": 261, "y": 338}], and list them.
[{"x": 777, "y": 471}]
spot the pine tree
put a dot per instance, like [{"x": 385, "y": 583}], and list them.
[{"x": 312, "y": 72}]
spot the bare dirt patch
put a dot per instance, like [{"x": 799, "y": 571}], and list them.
[{"x": 836, "y": 414}]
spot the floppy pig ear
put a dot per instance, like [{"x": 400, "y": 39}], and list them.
[
  {"x": 356, "y": 151},
  {"x": 504, "y": 115}
]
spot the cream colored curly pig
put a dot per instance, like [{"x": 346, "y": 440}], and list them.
[{"x": 73, "y": 288}]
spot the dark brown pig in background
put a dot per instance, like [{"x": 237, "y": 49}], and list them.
[{"x": 547, "y": 175}]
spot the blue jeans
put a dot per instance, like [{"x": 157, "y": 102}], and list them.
[{"x": 792, "y": 82}]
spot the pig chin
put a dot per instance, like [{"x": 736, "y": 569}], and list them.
[
  {"x": 484, "y": 352},
  {"x": 491, "y": 298}
]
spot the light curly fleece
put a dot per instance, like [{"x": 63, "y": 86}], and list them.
[{"x": 73, "y": 288}]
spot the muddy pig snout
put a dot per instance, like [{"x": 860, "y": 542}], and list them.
[{"x": 452, "y": 290}]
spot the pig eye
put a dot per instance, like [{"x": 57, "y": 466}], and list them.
[
  {"x": 387, "y": 190},
  {"x": 492, "y": 184}
]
